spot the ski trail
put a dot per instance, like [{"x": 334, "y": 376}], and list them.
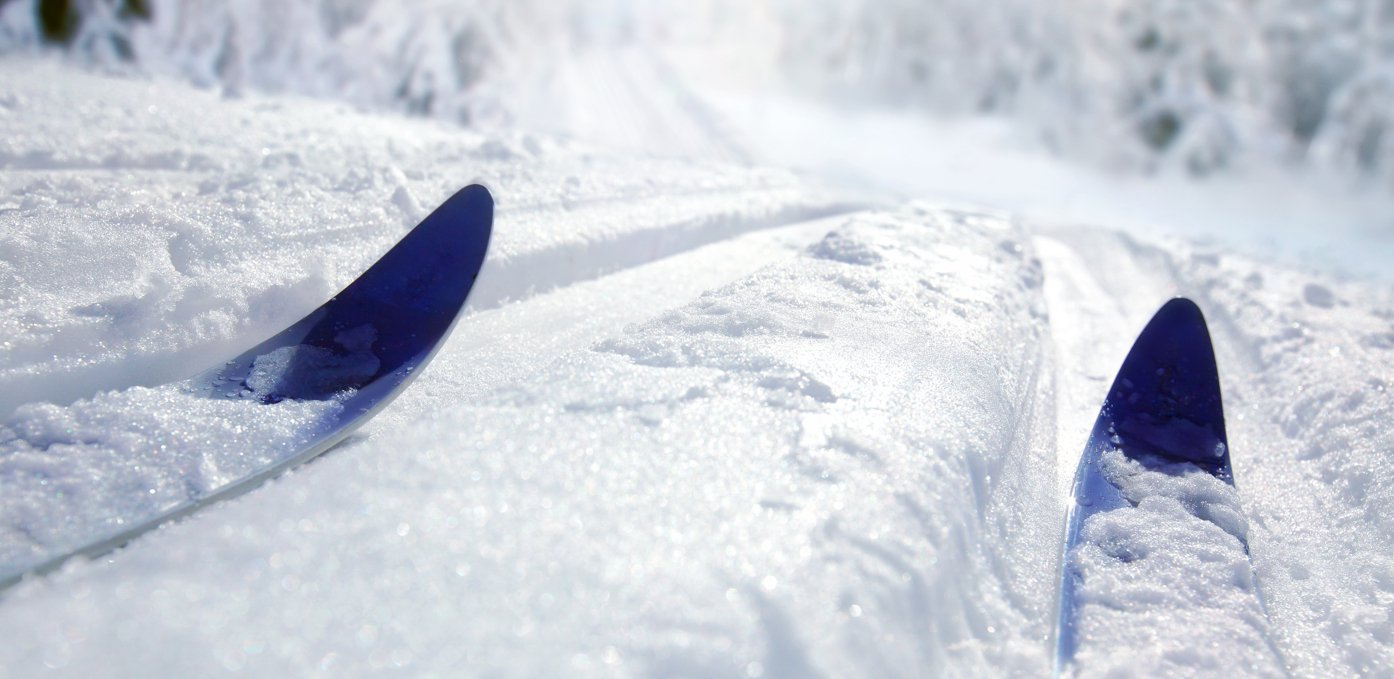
[
  {"x": 509, "y": 343},
  {"x": 694, "y": 128},
  {"x": 673, "y": 223},
  {"x": 492, "y": 348},
  {"x": 1092, "y": 327},
  {"x": 807, "y": 516},
  {"x": 633, "y": 99},
  {"x": 677, "y": 223}
]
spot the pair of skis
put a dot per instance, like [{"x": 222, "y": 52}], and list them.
[{"x": 366, "y": 344}]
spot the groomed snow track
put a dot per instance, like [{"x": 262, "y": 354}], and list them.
[{"x": 703, "y": 420}]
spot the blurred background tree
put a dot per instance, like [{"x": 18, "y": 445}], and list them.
[{"x": 1194, "y": 86}]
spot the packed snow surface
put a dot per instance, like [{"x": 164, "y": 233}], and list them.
[
  {"x": 71, "y": 476},
  {"x": 703, "y": 418},
  {"x": 1304, "y": 367},
  {"x": 1166, "y": 583},
  {"x": 308, "y": 372}
]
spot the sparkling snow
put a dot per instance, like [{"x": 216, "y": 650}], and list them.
[
  {"x": 1167, "y": 586},
  {"x": 705, "y": 417},
  {"x": 72, "y": 475}
]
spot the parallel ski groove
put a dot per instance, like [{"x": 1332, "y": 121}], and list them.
[{"x": 1159, "y": 270}]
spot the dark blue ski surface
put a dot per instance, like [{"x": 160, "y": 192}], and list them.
[
  {"x": 374, "y": 334},
  {"x": 1164, "y": 407}
]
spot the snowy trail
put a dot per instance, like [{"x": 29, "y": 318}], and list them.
[
  {"x": 1092, "y": 328},
  {"x": 634, "y": 99},
  {"x": 614, "y": 222},
  {"x": 499, "y": 346},
  {"x": 684, "y": 430},
  {"x": 82, "y": 450},
  {"x": 583, "y": 526},
  {"x": 1139, "y": 588},
  {"x": 1303, "y": 357}
]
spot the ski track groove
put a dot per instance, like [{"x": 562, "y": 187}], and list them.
[
  {"x": 502, "y": 281},
  {"x": 505, "y": 280},
  {"x": 1088, "y": 262},
  {"x": 499, "y": 344},
  {"x": 1289, "y": 422}
]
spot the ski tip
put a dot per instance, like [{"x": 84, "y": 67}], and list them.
[
  {"x": 392, "y": 317},
  {"x": 472, "y": 207},
  {"x": 475, "y": 193},
  {"x": 1166, "y": 399},
  {"x": 1178, "y": 308}
]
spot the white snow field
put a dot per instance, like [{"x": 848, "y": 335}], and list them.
[{"x": 704, "y": 417}]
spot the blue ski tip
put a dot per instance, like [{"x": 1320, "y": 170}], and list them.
[
  {"x": 376, "y": 333},
  {"x": 1165, "y": 407},
  {"x": 1165, "y": 401}
]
